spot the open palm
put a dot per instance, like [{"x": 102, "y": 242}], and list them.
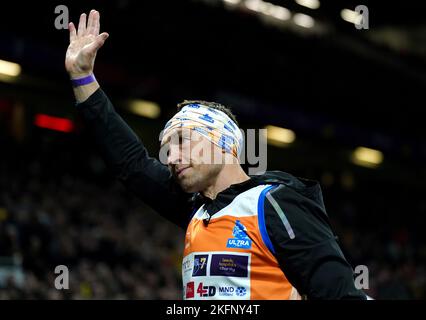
[{"x": 84, "y": 44}]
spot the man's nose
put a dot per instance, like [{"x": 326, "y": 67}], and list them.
[{"x": 174, "y": 156}]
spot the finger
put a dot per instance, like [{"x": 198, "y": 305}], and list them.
[
  {"x": 97, "y": 18},
  {"x": 73, "y": 32},
  {"x": 90, "y": 22},
  {"x": 98, "y": 43},
  {"x": 100, "y": 39},
  {"x": 82, "y": 25}
]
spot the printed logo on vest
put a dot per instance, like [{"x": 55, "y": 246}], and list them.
[
  {"x": 229, "y": 265},
  {"x": 189, "y": 292},
  {"x": 200, "y": 265},
  {"x": 206, "y": 291},
  {"x": 227, "y": 291},
  {"x": 240, "y": 238},
  {"x": 241, "y": 291}
]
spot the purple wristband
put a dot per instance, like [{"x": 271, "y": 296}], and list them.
[{"x": 83, "y": 81}]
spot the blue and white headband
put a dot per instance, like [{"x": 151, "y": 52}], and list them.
[{"x": 211, "y": 123}]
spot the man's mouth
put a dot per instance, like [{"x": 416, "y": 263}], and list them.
[{"x": 180, "y": 171}]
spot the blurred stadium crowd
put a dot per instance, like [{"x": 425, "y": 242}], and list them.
[
  {"x": 117, "y": 248},
  {"x": 114, "y": 247}
]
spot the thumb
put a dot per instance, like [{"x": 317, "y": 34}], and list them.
[
  {"x": 100, "y": 40},
  {"x": 95, "y": 45}
]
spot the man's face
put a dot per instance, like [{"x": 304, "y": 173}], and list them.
[{"x": 194, "y": 161}]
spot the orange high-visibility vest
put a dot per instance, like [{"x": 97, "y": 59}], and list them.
[{"x": 228, "y": 259}]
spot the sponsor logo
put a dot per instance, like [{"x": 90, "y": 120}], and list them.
[
  {"x": 231, "y": 124},
  {"x": 207, "y": 118},
  {"x": 229, "y": 265},
  {"x": 226, "y": 291},
  {"x": 240, "y": 291},
  {"x": 228, "y": 128},
  {"x": 189, "y": 292},
  {"x": 238, "y": 243},
  {"x": 206, "y": 291},
  {"x": 200, "y": 265},
  {"x": 240, "y": 238},
  {"x": 186, "y": 265},
  {"x": 225, "y": 142}
]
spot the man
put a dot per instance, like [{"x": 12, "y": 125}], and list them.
[{"x": 259, "y": 237}]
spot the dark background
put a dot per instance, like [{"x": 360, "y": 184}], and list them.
[{"x": 337, "y": 87}]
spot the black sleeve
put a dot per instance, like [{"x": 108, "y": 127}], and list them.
[
  {"x": 125, "y": 154},
  {"x": 306, "y": 247}
]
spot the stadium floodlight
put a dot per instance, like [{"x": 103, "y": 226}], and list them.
[
  {"x": 367, "y": 157},
  {"x": 351, "y": 16},
  {"x": 311, "y": 4},
  {"x": 255, "y": 5},
  {"x": 268, "y": 9},
  {"x": 144, "y": 108},
  {"x": 9, "y": 68},
  {"x": 233, "y": 2},
  {"x": 279, "y": 137},
  {"x": 303, "y": 20},
  {"x": 279, "y": 12}
]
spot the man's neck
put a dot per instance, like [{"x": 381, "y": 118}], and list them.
[{"x": 230, "y": 174}]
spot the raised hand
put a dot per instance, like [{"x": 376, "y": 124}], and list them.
[{"x": 84, "y": 44}]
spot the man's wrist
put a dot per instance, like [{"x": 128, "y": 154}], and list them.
[
  {"x": 83, "y": 92},
  {"x": 82, "y": 80}
]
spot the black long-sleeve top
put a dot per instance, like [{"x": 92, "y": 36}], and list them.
[{"x": 310, "y": 257}]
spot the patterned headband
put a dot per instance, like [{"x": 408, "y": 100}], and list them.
[{"x": 211, "y": 123}]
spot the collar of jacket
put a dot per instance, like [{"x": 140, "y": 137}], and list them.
[{"x": 307, "y": 188}]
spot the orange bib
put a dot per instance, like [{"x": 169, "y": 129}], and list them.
[{"x": 228, "y": 258}]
